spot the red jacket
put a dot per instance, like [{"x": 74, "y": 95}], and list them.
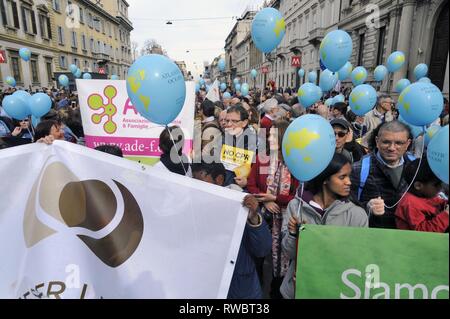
[
  {"x": 422, "y": 214},
  {"x": 257, "y": 183}
]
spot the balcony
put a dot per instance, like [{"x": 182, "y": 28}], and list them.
[
  {"x": 101, "y": 56},
  {"x": 316, "y": 36},
  {"x": 295, "y": 45}
]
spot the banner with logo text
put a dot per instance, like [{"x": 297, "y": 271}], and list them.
[
  {"x": 361, "y": 263},
  {"x": 109, "y": 118},
  {"x": 78, "y": 223}
]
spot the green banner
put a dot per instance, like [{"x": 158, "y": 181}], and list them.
[{"x": 362, "y": 263}]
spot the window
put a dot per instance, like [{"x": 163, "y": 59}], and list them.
[
  {"x": 81, "y": 16},
  {"x": 57, "y": 5},
  {"x": 76, "y": 62},
  {"x": 34, "y": 69},
  {"x": 74, "y": 40},
  {"x": 83, "y": 42},
  {"x": 60, "y": 36},
  {"x": 63, "y": 62},
  {"x": 86, "y": 65},
  {"x": 361, "y": 49},
  {"x": 91, "y": 45},
  {"x": 48, "y": 63},
  {"x": 44, "y": 25},
  {"x": 89, "y": 20},
  {"x": 15, "y": 68},
  {"x": 381, "y": 42},
  {"x": 10, "y": 14}
]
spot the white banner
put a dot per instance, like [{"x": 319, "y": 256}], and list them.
[
  {"x": 78, "y": 223},
  {"x": 109, "y": 118}
]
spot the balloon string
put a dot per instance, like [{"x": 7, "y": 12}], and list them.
[
  {"x": 32, "y": 128},
  {"x": 415, "y": 175},
  {"x": 300, "y": 207},
  {"x": 178, "y": 154}
]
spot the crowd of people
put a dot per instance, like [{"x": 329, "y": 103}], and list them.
[{"x": 379, "y": 176}]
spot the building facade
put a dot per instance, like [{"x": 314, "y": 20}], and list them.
[
  {"x": 417, "y": 28},
  {"x": 94, "y": 35},
  {"x": 236, "y": 47},
  {"x": 378, "y": 28}
]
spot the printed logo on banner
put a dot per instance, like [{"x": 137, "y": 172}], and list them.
[
  {"x": 95, "y": 102},
  {"x": 89, "y": 205}
]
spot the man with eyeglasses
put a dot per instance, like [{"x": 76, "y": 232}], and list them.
[
  {"x": 342, "y": 133},
  {"x": 380, "y": 114},
  {"x": 377, "y": 180},
  {"x": 237, "y": 147}
]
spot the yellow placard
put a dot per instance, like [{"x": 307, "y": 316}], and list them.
[{"x": 233, "y": 158}]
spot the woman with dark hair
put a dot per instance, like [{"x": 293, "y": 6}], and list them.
[
  {"x": 324, "y": 202},
  {"x": 23, "y": 129},
  {"x": 274, "y": 187},
  {"x": 171, "y": 142},
  {"x": 49, "y": 129}
]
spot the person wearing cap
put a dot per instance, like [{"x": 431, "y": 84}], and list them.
[
  {"x": 339, "y": 110},
  {"x": 342, "y": 132}
]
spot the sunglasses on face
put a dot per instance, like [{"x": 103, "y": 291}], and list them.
[{"x": 340, "y": 134}]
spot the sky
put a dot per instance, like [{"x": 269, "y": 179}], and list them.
[{"x": 204, "y": 39}]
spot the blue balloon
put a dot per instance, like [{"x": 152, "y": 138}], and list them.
[
  {"x": 328, "y": 80},
  {"x": 420, "y": 71},
  {"x": 415, "y": 130},
  {"x": 301, "y": 73},
  {"x": 10, "y": 81},
  {"x": 25, "y": 54},
  {"x": 437, "y": 154},
  {"x": 245, "y": 89},
  {"x": 362, "y": 99},
  {"x": 115, "y": 77},
  {"x": 308, "y": 146},
  {"x": 336, "y": 49},
  {"x": 227, "y": 96},
  {"x": 40, "y": 104},
  {"x": 420, "y": 103},
  {"x": 73, "y": 68},
  {"x": 63, "y": 80},
  {"x": 236, "y": 81},
  {"x": 395, "y": 61},
  {"x": 424, "y": 80},
  {"x": 319, "y": 93},
  {"x": 237, "y": 87},
  {"x": 430, "y": 133},
  {"x": 156, "y": 88},
  {"x": 23, "y": 95},
  {"x": 359, "y": 76},
  {"x": 308, "y": 94},
  {"x": 339, "y": 98},
  {"x": 345, "y": 72},
  {"x": 268, "y": 29},
  {"x": 197, "y": 87},
  {"x": 223, "y": 87},
  {"x": 254, "y": 73},
  {"x": 15, "y": 107},
  {"x": 201, "y": 82},
  {"x": 221, "y": 65},
  {"x": 329, "y": 102},
  {"x": 312, "y": 77},
  {"x": 78, "y": 74},
  {"x": 87, "y": 76},
  {"x": 380, "y": 73},
  {"x": 401, "y": 85}
]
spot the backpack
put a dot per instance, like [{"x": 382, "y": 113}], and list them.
[{"x": 365, "y": 170}]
